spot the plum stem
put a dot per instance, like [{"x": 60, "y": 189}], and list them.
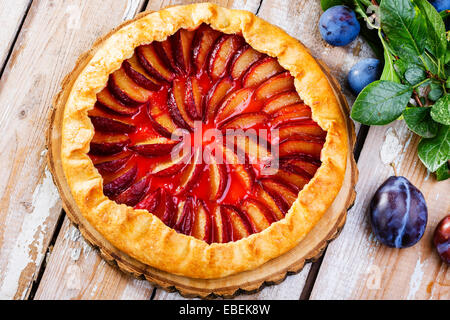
[{"x": 393, "y": 167}]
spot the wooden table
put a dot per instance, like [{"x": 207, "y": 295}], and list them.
[{"x": 42, "y": 256}]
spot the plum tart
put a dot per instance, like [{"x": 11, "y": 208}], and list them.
[{"x": 202, "y": 141}]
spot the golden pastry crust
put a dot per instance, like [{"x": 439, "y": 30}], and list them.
[{"x": 142, "y": 235}]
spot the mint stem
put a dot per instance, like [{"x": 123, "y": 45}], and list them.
[{"x": 421, "y": 83}]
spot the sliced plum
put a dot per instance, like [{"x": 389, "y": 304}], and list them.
[
  {"x": 280, "y": 101},
  {"x": 120, "y": 182},
  {"x": 108, "y": 102},
  {"x": 201, "y": 228},
  {"x": 148, "y": 57},
  {"x": 107, "y": 144},
  {"x": 261, "y": 71},
  {"x": 234, "y": 103},
  {"x": 126, "y": 90},
  {"x": 203, "y": 43},
  {"x": 224, "y": 49},
  {"x": 245, "y": 121},
  {"x": 243, "y": 60},
  {"x": 215, "y": 96},
  {"x": 275, "y": 85},
  {"x": 154, "y": 147},
  {"x": 112, "y": 164},
  {"x": 259, "y": 217},
  {"x": 134, "y": 193},
  {"x": 138, "y": 74}
]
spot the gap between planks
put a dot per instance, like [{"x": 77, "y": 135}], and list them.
[
  {"x": 12, "y": 22},
  {"x": 29, "y": 201},
  {"x": 133, "y": 289}
]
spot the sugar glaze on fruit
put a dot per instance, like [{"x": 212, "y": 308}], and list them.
[{"x": 165, "y": 100}]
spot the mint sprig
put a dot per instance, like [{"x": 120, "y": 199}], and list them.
[{"x": 414, "y": 84}]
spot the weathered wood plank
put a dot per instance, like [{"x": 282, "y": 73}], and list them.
[
  {"x": 12, "y": 13},
  {"x": 76, "y": 271},
  {"x": 356, "y": 265},
  {"x": 53, "y": 35}
]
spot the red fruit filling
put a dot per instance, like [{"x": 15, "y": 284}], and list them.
[{"x": 190, "y": 129}]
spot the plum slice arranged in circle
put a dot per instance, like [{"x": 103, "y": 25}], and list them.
[{"x": 206, "y": 133}]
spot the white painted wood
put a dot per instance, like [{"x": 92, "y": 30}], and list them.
[
  {"x": 290, "y": 289},
  {"x": 11, "y": 16},
  {"x": 75, "y": 270},
  {"x": 54, "y": 34}
]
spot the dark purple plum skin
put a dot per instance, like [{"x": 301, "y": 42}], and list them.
[
  {"x": 338, "y": 25},
  {"x": 120, "y": 184},
  {"x": 398, "y": 213}
]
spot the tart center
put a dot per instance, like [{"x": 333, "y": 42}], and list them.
[{"x": 206, "y": 133}]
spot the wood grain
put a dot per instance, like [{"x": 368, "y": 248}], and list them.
[
  {"x": 53, "y": 35},
  {"x": 75, "y": 270},
  {"x": 356, "y": 265},
  {"x": 12, "y": 13},
  {"x": 79, "y": 272}
]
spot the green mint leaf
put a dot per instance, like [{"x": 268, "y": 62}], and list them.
[
  {"x": 435, "y": 91},
  {"x": 419, "y": 121},
  {"x": 401, "y": 65},
  {"x": 436, "y": 39},
  {"x": 443, "y": 173},
  {"x": 440, "y": 111},
  {"x": 404, "y": 27},
  {"x": 435, "y": 152},
  {"x": 415, "y": 74},
  {"x": 381, "y": 102},
  {"x": 389, "y": 72},
  {"x": 447, "y": 55},
  {"x": 430, "y": 63}
]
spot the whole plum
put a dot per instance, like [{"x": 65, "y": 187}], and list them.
[
  {"x": 364, "y": 72},
  {"x": 338, "y": 25},
  {"x": 398, "y": 213},
  {"x": 442, "y": 239}
]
